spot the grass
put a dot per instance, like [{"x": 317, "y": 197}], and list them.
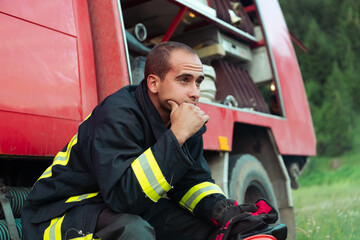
[
  {"x": 328, "y": 212},
  {"x": 327, "y": 204}
]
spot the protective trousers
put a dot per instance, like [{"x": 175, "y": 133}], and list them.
[{"x": 166, "y": 220}]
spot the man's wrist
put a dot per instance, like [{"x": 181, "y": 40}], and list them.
[{"x": 179, "y": 137}]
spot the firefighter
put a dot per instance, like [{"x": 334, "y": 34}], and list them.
[{"x": 135, "y": 169}]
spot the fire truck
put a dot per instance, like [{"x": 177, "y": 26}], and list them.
[{"x": 60, "y": 58}]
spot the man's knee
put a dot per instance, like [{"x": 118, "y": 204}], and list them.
[
  {"x": 170, "y": 221},
  {"x": 121, "y": 226},
  {"x": 136, "y": 226}
]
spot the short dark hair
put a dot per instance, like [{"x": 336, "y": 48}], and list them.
[{"x": 158, "y": 60}]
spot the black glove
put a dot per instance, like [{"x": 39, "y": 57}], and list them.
[
  {"x": 242, "y": 224},
  {"x": 241, "y": 220},
  {"x": 226, "y": 209}
]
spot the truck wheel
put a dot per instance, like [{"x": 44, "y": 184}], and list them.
[{"x": 249, "y": 180}]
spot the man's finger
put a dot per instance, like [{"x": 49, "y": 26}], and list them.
[
  {"x": 173, "y": 105},
  {"x": 206, "y": 117}
]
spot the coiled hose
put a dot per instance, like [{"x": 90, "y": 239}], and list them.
[
  {"x": 16, "y": 196},
  {"x": 4, "y": 232}
]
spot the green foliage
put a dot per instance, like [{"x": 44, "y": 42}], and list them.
[
  {"x": 331, "y": 69},
  {"x": 316, "y": 64},
  {"x": 333, "y": 129},
  {"x": 330, "y": 170},
  {"x": 326, "y": 204},
  {"x": 320, "y": 171}
]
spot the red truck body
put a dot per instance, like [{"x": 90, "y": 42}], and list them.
[{"x": 48, "y": 81}]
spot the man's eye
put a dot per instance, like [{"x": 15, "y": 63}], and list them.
[
  {"x": 184, "y": 80},
  {"x": 198, "y": 83}
]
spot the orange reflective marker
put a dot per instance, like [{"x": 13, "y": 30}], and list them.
[{"x": 223, "y": 141}]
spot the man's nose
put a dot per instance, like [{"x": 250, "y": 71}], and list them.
[{"x": 194, "y": 91}]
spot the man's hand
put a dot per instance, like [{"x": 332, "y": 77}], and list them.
[{"x": 186, "y": 119}]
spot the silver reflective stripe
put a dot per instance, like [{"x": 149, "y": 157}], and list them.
[
  {"x": 194, "y": 195},
  {"x": 198, "y": 193},
  {"x": 150, "y": 175},
  {"x": 62, "y": 158},
  {"x": 81, "y": 197},
  {"x": 52, "y": 230}
]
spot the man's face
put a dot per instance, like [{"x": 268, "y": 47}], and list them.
[{"x": 182, "y": 82}]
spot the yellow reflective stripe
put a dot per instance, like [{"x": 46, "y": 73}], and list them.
[
  {"x": 156, "y": 170},
  {"x": 149, "y": 176},
  {"x": 192, "y": 190},
  {"x": 47, "y": 230},
  {"x": 81, "y": 197},
  {"x": 47, "y": 173},
  {"x": 86, "y": 118},
  {"x": 62, "y": 158},
  {"x": 201, "y": 196},
  {"x": 53, "y": 232},
  {"x": 144, "y": 183},
  {"x": 198, "y": 192}
]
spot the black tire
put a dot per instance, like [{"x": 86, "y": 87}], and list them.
[{"x": 249, "y": 180}]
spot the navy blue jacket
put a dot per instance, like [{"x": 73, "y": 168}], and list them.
[{"x": 122, "y": 157}]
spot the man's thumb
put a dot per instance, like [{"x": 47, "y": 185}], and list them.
[{"x": 173, "y": 105}]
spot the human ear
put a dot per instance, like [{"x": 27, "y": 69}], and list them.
[{"x": 153, "y": 83}]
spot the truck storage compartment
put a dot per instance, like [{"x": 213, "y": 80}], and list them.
[
  {"x": 235, "y": 81},
  {"x": 230, "y": 40}
]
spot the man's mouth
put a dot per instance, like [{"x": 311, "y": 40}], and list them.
[{"x": 192, "y": 102}]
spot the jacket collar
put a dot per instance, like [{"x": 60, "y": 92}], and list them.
[{"x": 149, "y": 110}]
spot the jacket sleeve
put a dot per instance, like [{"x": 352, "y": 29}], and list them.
[
  {"x": 131, "y": 175},
  {"x": 197, "y": 191}
]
